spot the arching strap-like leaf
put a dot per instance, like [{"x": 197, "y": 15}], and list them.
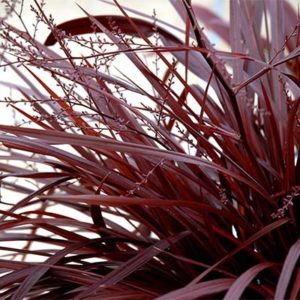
[
  {"x": 84, "y": 26},
  {"x": 287, "y": 271},
  {"x": 96, "y": 143},
  {"x": 38, "y": 271},
  {"x": 132, "y": 265},
  {"x": 241, "y": 283},
  {"x": 259, "y": 234}
]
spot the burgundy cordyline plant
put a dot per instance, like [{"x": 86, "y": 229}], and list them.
[{"x": 149, "y": 164}]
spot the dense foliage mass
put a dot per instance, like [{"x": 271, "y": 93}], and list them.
[{"x": 150, "y": 164}]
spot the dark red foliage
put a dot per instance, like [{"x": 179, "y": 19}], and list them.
[{"x": 172, "y": 173}]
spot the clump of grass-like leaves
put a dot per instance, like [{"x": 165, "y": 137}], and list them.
[{"x": 150, "y": 164}]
